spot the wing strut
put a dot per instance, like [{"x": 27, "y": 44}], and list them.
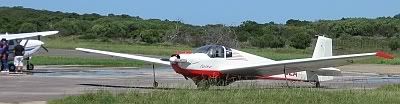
[{"x": 155, "y": 83}]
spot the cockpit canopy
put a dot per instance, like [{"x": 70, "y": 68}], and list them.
[{"x": 215, "y": 51}]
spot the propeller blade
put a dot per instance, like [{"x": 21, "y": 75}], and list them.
[
  {"x": 44, "y": 48},
  {"x": 164, "y": 59}
]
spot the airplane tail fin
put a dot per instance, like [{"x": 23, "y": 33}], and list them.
[{"x": 323, "y": 48}]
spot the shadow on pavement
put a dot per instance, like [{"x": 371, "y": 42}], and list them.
[{"x": 116, "y": 86}]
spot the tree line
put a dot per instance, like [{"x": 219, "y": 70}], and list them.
[{"x": 294, "y": 33}]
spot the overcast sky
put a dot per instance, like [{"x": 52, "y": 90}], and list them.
[{"x": 229, "y": 12}]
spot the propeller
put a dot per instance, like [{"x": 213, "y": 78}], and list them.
[
  {"x": 164, "y": 59},
  {"x": 173, "y": 58}
]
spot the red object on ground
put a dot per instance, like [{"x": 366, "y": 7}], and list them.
[{"x": 384, "y": 55}]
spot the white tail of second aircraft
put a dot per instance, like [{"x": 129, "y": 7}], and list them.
[{"x": 323, "y": 48}]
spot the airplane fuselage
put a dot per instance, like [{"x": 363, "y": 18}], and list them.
[
  {"x": 31, "y": 47},
  {"x": 222, "y": 66}
]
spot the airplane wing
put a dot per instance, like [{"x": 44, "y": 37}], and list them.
[
  {"x": 129, "y": 56},
  {"x": 27, "y": 35},
  {"x": 296, "y": 65}
]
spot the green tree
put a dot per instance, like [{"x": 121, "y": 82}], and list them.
[
  {"x": 397, "y": 16},
  {"x": 394, "y": 44},
  {"x": 300, "y": 41},
  {"x": 68, "y": 27},
  {"x": 27, "y": 27},
  {"x": 293, "y": 22},
  {"x": 267, "y": 40},
  {"x": 151, "y": 36}
]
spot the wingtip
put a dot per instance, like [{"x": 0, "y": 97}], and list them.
[
  {"x": 79, "y": 49},
  {"x": 384, "y": 55}
]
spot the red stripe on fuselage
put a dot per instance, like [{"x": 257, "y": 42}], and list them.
[
  {"x": 215, "y": 74},
  {"x": 195, "y": 73}
]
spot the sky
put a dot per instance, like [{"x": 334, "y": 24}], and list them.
[{"x": 228, "y": 12}]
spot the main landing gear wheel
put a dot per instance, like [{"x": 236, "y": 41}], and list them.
[
  {"x": 30, "y": 66},
  {"x": 203, "y": 84},
  {"x": 317, "y": 84},
  {"x": 155, "y": 84},
  {"x": 11, "y": 67}
]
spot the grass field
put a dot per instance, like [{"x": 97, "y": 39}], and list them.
[
  {"x": 168, "y": 49},
  {"x": 70, "y": 43},
  {"x": 385, "y": 95},
  {"x": 165, "y": 49},
  {"x": 58, "y": 60}
]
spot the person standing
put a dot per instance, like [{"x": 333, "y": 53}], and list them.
[
  {"x": 4, "y": 55},
  {"x": 1, "y": 50},
  {"x": 18, "y": 57}
]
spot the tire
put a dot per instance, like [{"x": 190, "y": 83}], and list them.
[
  {"x": 11, "y": 67},
  {"x": 155, "y": 84},
  {"x": 317, "y": 84},
  {"x": 203, "y": 84},
  {"x": 30, "y": 66}
]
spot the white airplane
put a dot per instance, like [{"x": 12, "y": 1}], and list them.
[
  {"x": 220, "y": 66},
  {"x": 31, "y": 46}
]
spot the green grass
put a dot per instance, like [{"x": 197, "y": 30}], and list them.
[
  {"x": 168, "y": 49},
  {"x": 58, "y": 60},
  {"x": 392, "y": 87},
  {"x": 164, "y": 49},
  {"x": 374, "y": 60},
  {"x": 71, "y": 43},
  {"x": 395, "y": 61},
  {"x": 386, "y": 95}
]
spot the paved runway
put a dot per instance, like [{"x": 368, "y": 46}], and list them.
[{"x": 51, "y": 82}]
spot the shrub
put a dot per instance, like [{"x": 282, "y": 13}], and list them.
[
  {"x": 266, "y": 40},
  {"x": 394, "y": 44},
  {"x": 300, "y": 41}
]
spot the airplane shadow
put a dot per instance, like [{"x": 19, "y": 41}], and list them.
[
  {"x": 159, "y": 88},
  {"x": 299, "y": 87},
  {"x": 117, "y": 86}
]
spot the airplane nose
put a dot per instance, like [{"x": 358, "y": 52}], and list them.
[
  {"x": 176, "y": 59},
  {"x": 173, "y": 58}
]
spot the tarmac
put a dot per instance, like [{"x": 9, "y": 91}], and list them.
[{"x": 55, "y": 81}]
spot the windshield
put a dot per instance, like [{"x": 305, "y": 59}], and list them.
[
  {"x": 203, "y": 49},
  {"x": 214, "y": 51}
]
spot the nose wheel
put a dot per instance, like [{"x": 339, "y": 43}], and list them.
[{"x": 29, "y": 66}]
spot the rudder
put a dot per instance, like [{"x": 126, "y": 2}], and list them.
[{"x": 323, "y": 48}]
